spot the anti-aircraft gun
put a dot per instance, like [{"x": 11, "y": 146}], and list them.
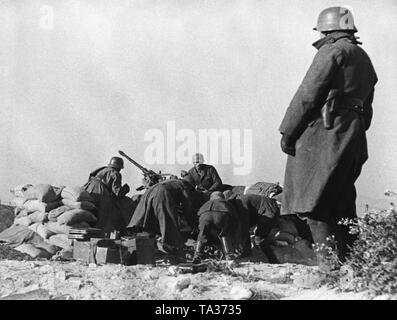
[{"x": 150, "y": 177}]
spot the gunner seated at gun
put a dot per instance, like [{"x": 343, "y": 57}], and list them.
[{"x": 204, "y": 176}]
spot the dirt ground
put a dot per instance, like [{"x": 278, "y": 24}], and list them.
[
  {"x": 23, "y": 278},
  {"x": 60, "y": 280}
]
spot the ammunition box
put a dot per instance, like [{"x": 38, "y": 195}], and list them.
[
  {"x": 141, "y": 249},
  {"x": 127, "y": 252}
]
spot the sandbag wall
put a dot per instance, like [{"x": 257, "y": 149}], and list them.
[{"x": 51, "y": 212}]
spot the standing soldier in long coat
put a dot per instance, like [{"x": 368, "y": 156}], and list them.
[{"x": 324, "y": 130}]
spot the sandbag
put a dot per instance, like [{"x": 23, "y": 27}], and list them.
[
  {"x": 42, "y": 230},
  {"x": 238, "y": 189},
  {"x": 266, "y": 189},
  {"x": 75, "y": 216},
  {"x": 21, "y": 212},
  {"x": 55, "y": 213},
  {"x": 18, "y": 234},
  {"x": 33, "y": 251},
  {"x": 57, "y": 228},
  {"x": 85, "y": 205},
  {"x": 61, "y": 240},
  {"x": 23, "y": 221},
  {"x": 18, "y": 201},
  {"x": 18, "y": 191},
  {"x": 76, "y": 194},
  {"x": 50, "y": 248},
  {"x": 36, "y": 205},
  {"x": 38, "y": 216},
  {"x": 276, "y": 235},
  {"x": 42, "y": 192},
  {"x": 300, "y": 252},
  {"x": 58, "y": 191}
]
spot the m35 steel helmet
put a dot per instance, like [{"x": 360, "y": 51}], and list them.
[
  {"x": 116, "y": 163},
  {"x": 335, "y": 19},
  {"x": 198, "y": 158}
]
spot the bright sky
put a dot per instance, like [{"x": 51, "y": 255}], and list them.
[{"x": 82, "y": 79}]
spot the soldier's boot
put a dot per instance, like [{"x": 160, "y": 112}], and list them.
[
  {"x": 246, "y": 248},
  {"x": 245, "y": 252},
  {"x": 266, "y": 249},
  {"x": 198, "y": 253},
  {"x": 323, "y": 239},
  {"x": 227, "y": 248}
]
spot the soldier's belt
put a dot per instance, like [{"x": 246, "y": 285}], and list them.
[
  {"x": 352, "y": 104},
  {"x": 334, "y": 104},
  {"x": 356, "y": 108}
]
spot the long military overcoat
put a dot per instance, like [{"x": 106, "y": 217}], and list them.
[
  {"x": 328, "y": 160},
  {"x": 157, "y": 211}
]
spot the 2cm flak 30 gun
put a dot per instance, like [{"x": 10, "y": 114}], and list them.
[{"x": 150, "y": 177}]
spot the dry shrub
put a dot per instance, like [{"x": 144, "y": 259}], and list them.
[{"x": 372, "y": 263}]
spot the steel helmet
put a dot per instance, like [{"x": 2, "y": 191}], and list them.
[
  {"x": 335, "y": 19},
  {"x": 198, "y": 158},
  {"x": 217, "y": 195},
  {"x": 116, "y": 163}
]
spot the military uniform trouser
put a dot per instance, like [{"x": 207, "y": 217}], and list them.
[
  {"x": 339, "y": 202},
  {"x": 213, "y": 225},
  {"x": 323, "y": 229}
]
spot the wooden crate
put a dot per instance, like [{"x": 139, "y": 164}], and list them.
[
  {"x": 127, "y": 252},
  {"x": 142, "y": 250}
]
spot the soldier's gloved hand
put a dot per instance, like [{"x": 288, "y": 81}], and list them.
[
  {"x": 126, "y": 188},
  {"x": 288, "y": 144}
]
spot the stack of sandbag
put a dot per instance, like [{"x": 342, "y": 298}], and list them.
[
  {"x": 25, "y": 240},
  {"x": 77, "y": 211},
  {"x": 77, "y": 198},
  {"x": 33, "y": 202},
  {"x": 50, "y": 212}
]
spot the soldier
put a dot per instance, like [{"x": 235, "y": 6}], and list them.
[
  {"x": 104, "y": 185},
  {"x": 323, "y": 130},
  {"x": 259, "y": 213},
  {"x": 205, "y": 176},
  {"x": 218, "y": 221},
  {"x": 158, "y": 210}
]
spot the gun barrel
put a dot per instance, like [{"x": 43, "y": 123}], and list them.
[{"x": 134, "y": 162}]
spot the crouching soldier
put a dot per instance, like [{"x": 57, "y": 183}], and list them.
[
  {"x": 217, "y": 221},
  {"x": 105, "y": 187},
  {"x": 258, "y": 213},
  {"x": 157, "y": 213}
]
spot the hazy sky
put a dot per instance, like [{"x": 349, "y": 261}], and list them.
[{"x": 82, "y": 79}]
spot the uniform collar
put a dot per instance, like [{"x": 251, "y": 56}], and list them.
[{"x": 335, "y": 36}]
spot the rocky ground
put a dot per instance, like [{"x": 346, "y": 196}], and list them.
[
  {"x": 24, "y": 278},
  {"x": 48, "y": 280}
]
